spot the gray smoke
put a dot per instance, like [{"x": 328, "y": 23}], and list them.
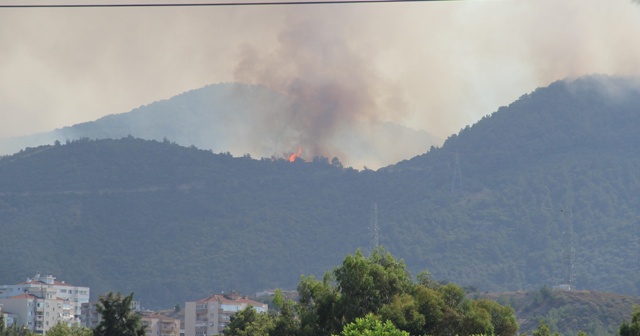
[{"x": 333, "y": 88}]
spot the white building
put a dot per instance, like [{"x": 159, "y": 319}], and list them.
[
  {"x": 159, "y": 325},
  {"x": 36, "y": 313},
  {"x": 41, "y": 302},
  {"x": 211, "y": 315}
]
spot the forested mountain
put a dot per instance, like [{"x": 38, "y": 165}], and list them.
[
  {"x": 230, "y": 117},
  {"x": 567, "y": 312},
  {"x": 497, "y": 207}
]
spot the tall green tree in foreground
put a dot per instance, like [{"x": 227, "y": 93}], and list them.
[
  {"x": 381, "y": 285},
  {"x": 358, "y": 295},
  {"x": 248, "y": 322},
  {"x": 370, "y": 326},
  {"x": 633, "y": 328},
  {"x": 118, "y": 318},
  {"x": 285, "y": 320}
]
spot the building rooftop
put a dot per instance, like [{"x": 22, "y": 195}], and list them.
[
  {"x": 231, "y": 299},
  {"x": 24, "y": 296}
]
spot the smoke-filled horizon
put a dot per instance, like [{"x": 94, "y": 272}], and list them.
[
  {"x": 433, "y": 66},
  {"x": 332, "y": 86}
]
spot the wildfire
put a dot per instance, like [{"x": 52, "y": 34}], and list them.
[{"x": 295, "y": 155}]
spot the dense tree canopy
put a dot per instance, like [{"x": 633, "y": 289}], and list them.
[
  {"x": 248, "y": 322},
  {"x": 357, "y": 296},
  {"x": 62, "y": 329},
  {"x": 370, "y": 326},
  {"x": 631, "y": 328},
  {"x": 118, "y": 318}
]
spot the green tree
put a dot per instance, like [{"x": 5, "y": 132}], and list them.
[
  {"x": 380, "y": 285},
  {"x": 503, "y": 318},
  {"x": 403, "y": 312},
  {"x": 62, "y": 329},
  {"x": 117, "y": 316},
  {"x": 285, "y": 320},
  {"x": 431, "y": 305},
  {"x": 14, "y": 330},
  {"x": 248, "y": 322},
  {"x": 319, "y": 307},
  {"x": 544, "y": 330},
  {"x": 632, "y": 328},
  {"x": 370, "y": 326},
  {"x": 366, "y": 284}
]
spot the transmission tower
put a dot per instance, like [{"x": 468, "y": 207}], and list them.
[
  {"x": 456, "y": 181},
  {"x": 570, "y": 253},
  {"x": 373, "y": 227}
]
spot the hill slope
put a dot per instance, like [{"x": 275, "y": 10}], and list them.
[
  {"x": 568, "y": 312},
  {"x": 236, "y": 118},
  {"x": 490, "y": 209},
  {"x": 500, "y": 197}
]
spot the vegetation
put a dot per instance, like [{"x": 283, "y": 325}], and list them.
[
  {"x": 375, "y": 295},
  {"x": 544, "y": 330},
  {"x": 62, "y": 329},
  {"x": 118, "y": 318},
  {"x": 631, "y": 328},
  {"x": 567, "y": 312},
  {"x": 14, "y": 330},
  {"x": 559, "y": 157},
  {"x": 369, "y": 326}
]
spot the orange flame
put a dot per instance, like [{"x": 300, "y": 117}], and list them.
[{"x": 295, "y": 155}]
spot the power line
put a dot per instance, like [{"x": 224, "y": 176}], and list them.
[{"x": 216, "y": 4}]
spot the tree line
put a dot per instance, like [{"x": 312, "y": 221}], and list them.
[
  {"x": 373, "y": 295},
  {"x": 377, "y": 296}
]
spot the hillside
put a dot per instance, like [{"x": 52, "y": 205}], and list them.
[
  {"x": 152, "y": 217},
  {"x": 568, "y": 312},
  {"x": 500, "y": 196},
  {"x": 238, "y": 119},
  {"x": 491, "y": 208}
]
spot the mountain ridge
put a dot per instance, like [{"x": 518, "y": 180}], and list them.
[
  {"x": 173, "y": 223},
  {"x": 236, "y": 118}
]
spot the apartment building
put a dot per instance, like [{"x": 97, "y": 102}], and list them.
[
  {"x": 160, "y": 325},
  {"x": 41, "y": 302},
  {"x": 209, "y": 316},
  {"x": 36, "y": 313}
]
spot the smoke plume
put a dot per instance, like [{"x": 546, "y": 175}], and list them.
[{"x": 331, "y": 86}]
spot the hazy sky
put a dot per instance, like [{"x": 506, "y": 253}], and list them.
[{"x": 434, "y": 66}]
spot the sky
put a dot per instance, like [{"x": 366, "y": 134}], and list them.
[{"x": 431, "y": 66}]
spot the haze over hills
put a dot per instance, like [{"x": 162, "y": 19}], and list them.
[
  {"x": 491, "y": 208},
  {"x": 248, "y": 119}
]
